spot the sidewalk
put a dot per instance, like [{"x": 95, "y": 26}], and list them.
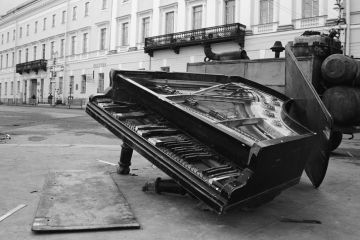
[{"x": 46, "y": 105}]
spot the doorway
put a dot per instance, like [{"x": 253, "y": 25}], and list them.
[{"x": 33, "y": 91}]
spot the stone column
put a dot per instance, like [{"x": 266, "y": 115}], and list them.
[
  {"x": 210, "y": 8},
  {"x": 181, "y": 23},
  {"x": 133, "y": 24},
  {"x": 113, "y": 26},
  {"x": 156, "y": 18}
]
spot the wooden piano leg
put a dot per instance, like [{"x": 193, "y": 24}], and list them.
[{"x": 125, "y": 159}]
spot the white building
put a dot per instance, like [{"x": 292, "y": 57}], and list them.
[{"x": 81, "y": 40}]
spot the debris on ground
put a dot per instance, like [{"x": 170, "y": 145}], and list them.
[
  {"x": 4, "y": 137},
  {"x": 12, "y": 211},
  {"x": 291, "y": 220}
]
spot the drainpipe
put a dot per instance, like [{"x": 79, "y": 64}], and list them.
[
  {"x": 65, "y": 53},
  {"x": 15, "y": 54},
  {"x": 347, "y": 37}
]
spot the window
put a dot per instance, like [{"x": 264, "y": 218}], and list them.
[
  {"x": 8, "y": 37},
  {"x": 2, "y": 38},
  {"x": 26, "y": 55},
  {"x": 6, "y": 88},
  {"x": 100, "y": 88},
  {"x": 36, "y": 27},
  {"x": 74, "y": 13},
  {"x": 102, "y": 38},
  {"x": 19, "y": 56},
  {"x": 1, "y": 62},
  {"x": 14, "y": 34},
  {"x": 18, "y": 86},
  {"x": 20, "y": 32},
  {"x": 85, "y": 43},
  {"x": 63, "y": 16},
  {"x": 73, "y": 42},
  {"x": 71, "y": 85},
  {"x": 52, "y": 49},
  {"x": 169, "y": 22},
  {"x": 27, "y": 30},
  {"x": 83, "y": 84},
  {"x": 62, "y": 44},
  {"x": 7, "y": 60},
  {"x": 13, "y": 59},
  {"x": 310, "y": 8},
  {"x": 266, "y": 11},
  {"x": 145, "y": 28},
  {"x": 53, "y": 20},
  {"x": 61, "y": 82},
  {"x": 229, "y": 11},
  {"x": 125, "y": 34},
  {"x": 104, "y": 3},
  {"x": 44, "y": 25},
  {"x": 0, "y": 89},
  {"x": 86, "y": 9},
  {"x": 35, "y": 48},
  {"x": 43, "y": 50},
  {"x": 197, "y": 17},
  {"x": 11, "y": 88}
]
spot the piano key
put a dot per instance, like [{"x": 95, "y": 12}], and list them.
[
  {"x": 130, "y": 115},
  {"x": 196, "y": 156},
  {"x": 158, "y": 132},
  {"x": 222, "y": 167},
  {"x": 223, "y": 173},
  {"x": 150, "y": 127},
  {"x": 116, "y": 108}
]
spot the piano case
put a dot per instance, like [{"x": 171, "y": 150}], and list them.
[{"x": 227, "y": 141}]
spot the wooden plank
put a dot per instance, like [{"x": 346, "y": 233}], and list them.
[{"x": 82, "y": 200}]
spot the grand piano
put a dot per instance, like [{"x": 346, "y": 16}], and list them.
[{"x": 227, "y": 141}]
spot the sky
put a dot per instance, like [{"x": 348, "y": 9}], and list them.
[{"x": 6, "y": 5}]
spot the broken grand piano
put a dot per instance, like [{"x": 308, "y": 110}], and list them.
[{"x": 226, "y": 140}]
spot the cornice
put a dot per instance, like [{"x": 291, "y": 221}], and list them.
[{"x": 18, "y": 13}]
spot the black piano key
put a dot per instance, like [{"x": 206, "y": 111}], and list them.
[
  {"x": 189, "y": 151},
  {"x": 216, "y": 169},
  {"x": 223, "y": 173},
  {"x": 158, "y": 132},
  {"x": 116, "y": 108}
]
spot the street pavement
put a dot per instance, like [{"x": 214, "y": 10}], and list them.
[{"x": 47, "y": 139}]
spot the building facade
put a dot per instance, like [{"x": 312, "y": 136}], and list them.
[{"x": 66, "y": 48}]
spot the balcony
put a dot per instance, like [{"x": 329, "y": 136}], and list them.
[
  {"x": 31, "y": 66},
  {"x": 229, "y": 32},
  {"x": 311, "y": 22},
  {"x": 265, "y": 28}
]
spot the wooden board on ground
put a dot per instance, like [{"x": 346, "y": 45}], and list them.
[{"x": 82, "y": 200}]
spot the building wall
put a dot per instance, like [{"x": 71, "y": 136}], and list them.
[{"x": 286, "y": 24}]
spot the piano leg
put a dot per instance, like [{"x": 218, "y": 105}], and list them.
[{"x": 125, "y": 159}]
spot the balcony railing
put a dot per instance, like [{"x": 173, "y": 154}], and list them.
[
  {"x": 31, "y": 66},
  {"x": 311, "y": 22},
  {"x": 265, "y": 28},
  {"x": 229, "y": 32}
]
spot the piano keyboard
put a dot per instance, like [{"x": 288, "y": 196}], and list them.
[{"x": 182, "y": 148}]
